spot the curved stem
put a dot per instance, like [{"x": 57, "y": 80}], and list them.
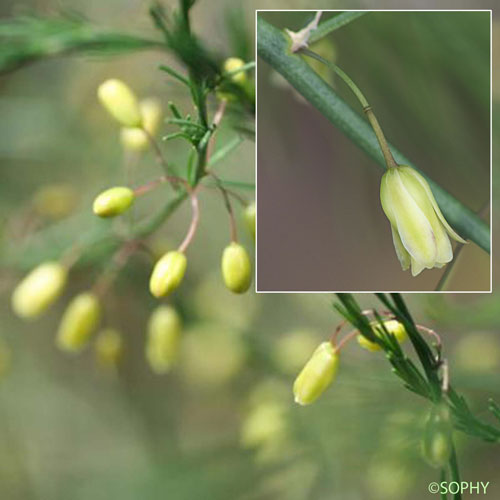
[
  {"x": 389, "y": 159},
  {"x": 194, "y": 222},
  {"x": 149, "y": 186}
]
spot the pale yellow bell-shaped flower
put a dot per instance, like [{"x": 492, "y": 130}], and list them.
[
  {"x": 78, "y": 322},
  {"x": 167, "y": 273},
  {"x": 392, "y": 326},
  {"x": 236, "y": 268},
  {"x": 317, "y": 374},
  {"x": 135, "y": 139},
  {"x": 113, "y": 201},
  {"x": 419, "y": 229},
  {"x": 120, "y": 102},
  {"x": 39, "y": 289},
  {"x": 162, "y": 342}
]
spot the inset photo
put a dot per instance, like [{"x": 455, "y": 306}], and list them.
[{"x": 373, "y": 151}]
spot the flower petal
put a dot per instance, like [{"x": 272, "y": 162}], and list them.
[
  {"x": 422, "y": 199},
  {"x": 413, "y": 226},
  {"x": 403, "y": 255},
  {"x": 416, "y": 267},
  {"x": 428, "y": 190}
]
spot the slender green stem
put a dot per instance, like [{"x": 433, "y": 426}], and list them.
[
  {"x": 455, "y": 474},
  {"x": 442, "y": 478},
  {"x": 389, "y": 159},
  {"x": 347, "y": 79}
]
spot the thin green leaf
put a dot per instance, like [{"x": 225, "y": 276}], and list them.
[
  {"x": 174, "y": 74},
  {"x": 225, "y": 150}
]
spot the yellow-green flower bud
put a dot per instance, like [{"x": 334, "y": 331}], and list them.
[
  {"x": 392, "y": 326},
  {"x": 167, "y": 273},
  {"x": 232, "y": 64},
  {"x": 113, "y": 201},
  {"x": 236, "y": 268},
  {"x": 437, "y": 443},
  {"x": 108, "y": 347},
  {"x": 121, "y": 102},
  {"x": 78, "y": 322},
  {"x": 162, "y": 343},
  {"x": 135, "y": 139},
  {"x": 419, "y": 229},
  {"x": 55, "y": 200},
  {"x": 39, "y": 289},
  {"x": 317, "y": 374},
  {"x": 249, "y": 215}
]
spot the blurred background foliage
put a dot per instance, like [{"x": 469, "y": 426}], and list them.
[
  {"x": 222, "y": 424},
  {"x": 427, "y": 76}
]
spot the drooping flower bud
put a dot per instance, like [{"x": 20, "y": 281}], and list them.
[
  {"x": 135, "y": 139},
  {"x": 437, "y": 441},
  {"x": 236, "y": 268},
  {"x": 167, "y": 273},
  {"x": 78, "y": 322},
  {"x": 233, "y": 64},
  {"x": 121, "y": 102},
  {"x": 113, "y": 201},
  {"x": 249, "y": 215},
  {"x": 39, "y": 289},
  {"x": 392, "y": 326},
  {"x": 317, "y": 374},
  {"x": 108, "y": 347},
  {"x": 162, "y": 343},
  {"x": 419, "y": 229}
]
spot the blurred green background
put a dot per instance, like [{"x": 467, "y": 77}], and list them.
[
  {"x": 222, "y": 425},
  {"x": 321, "y": 225}
]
